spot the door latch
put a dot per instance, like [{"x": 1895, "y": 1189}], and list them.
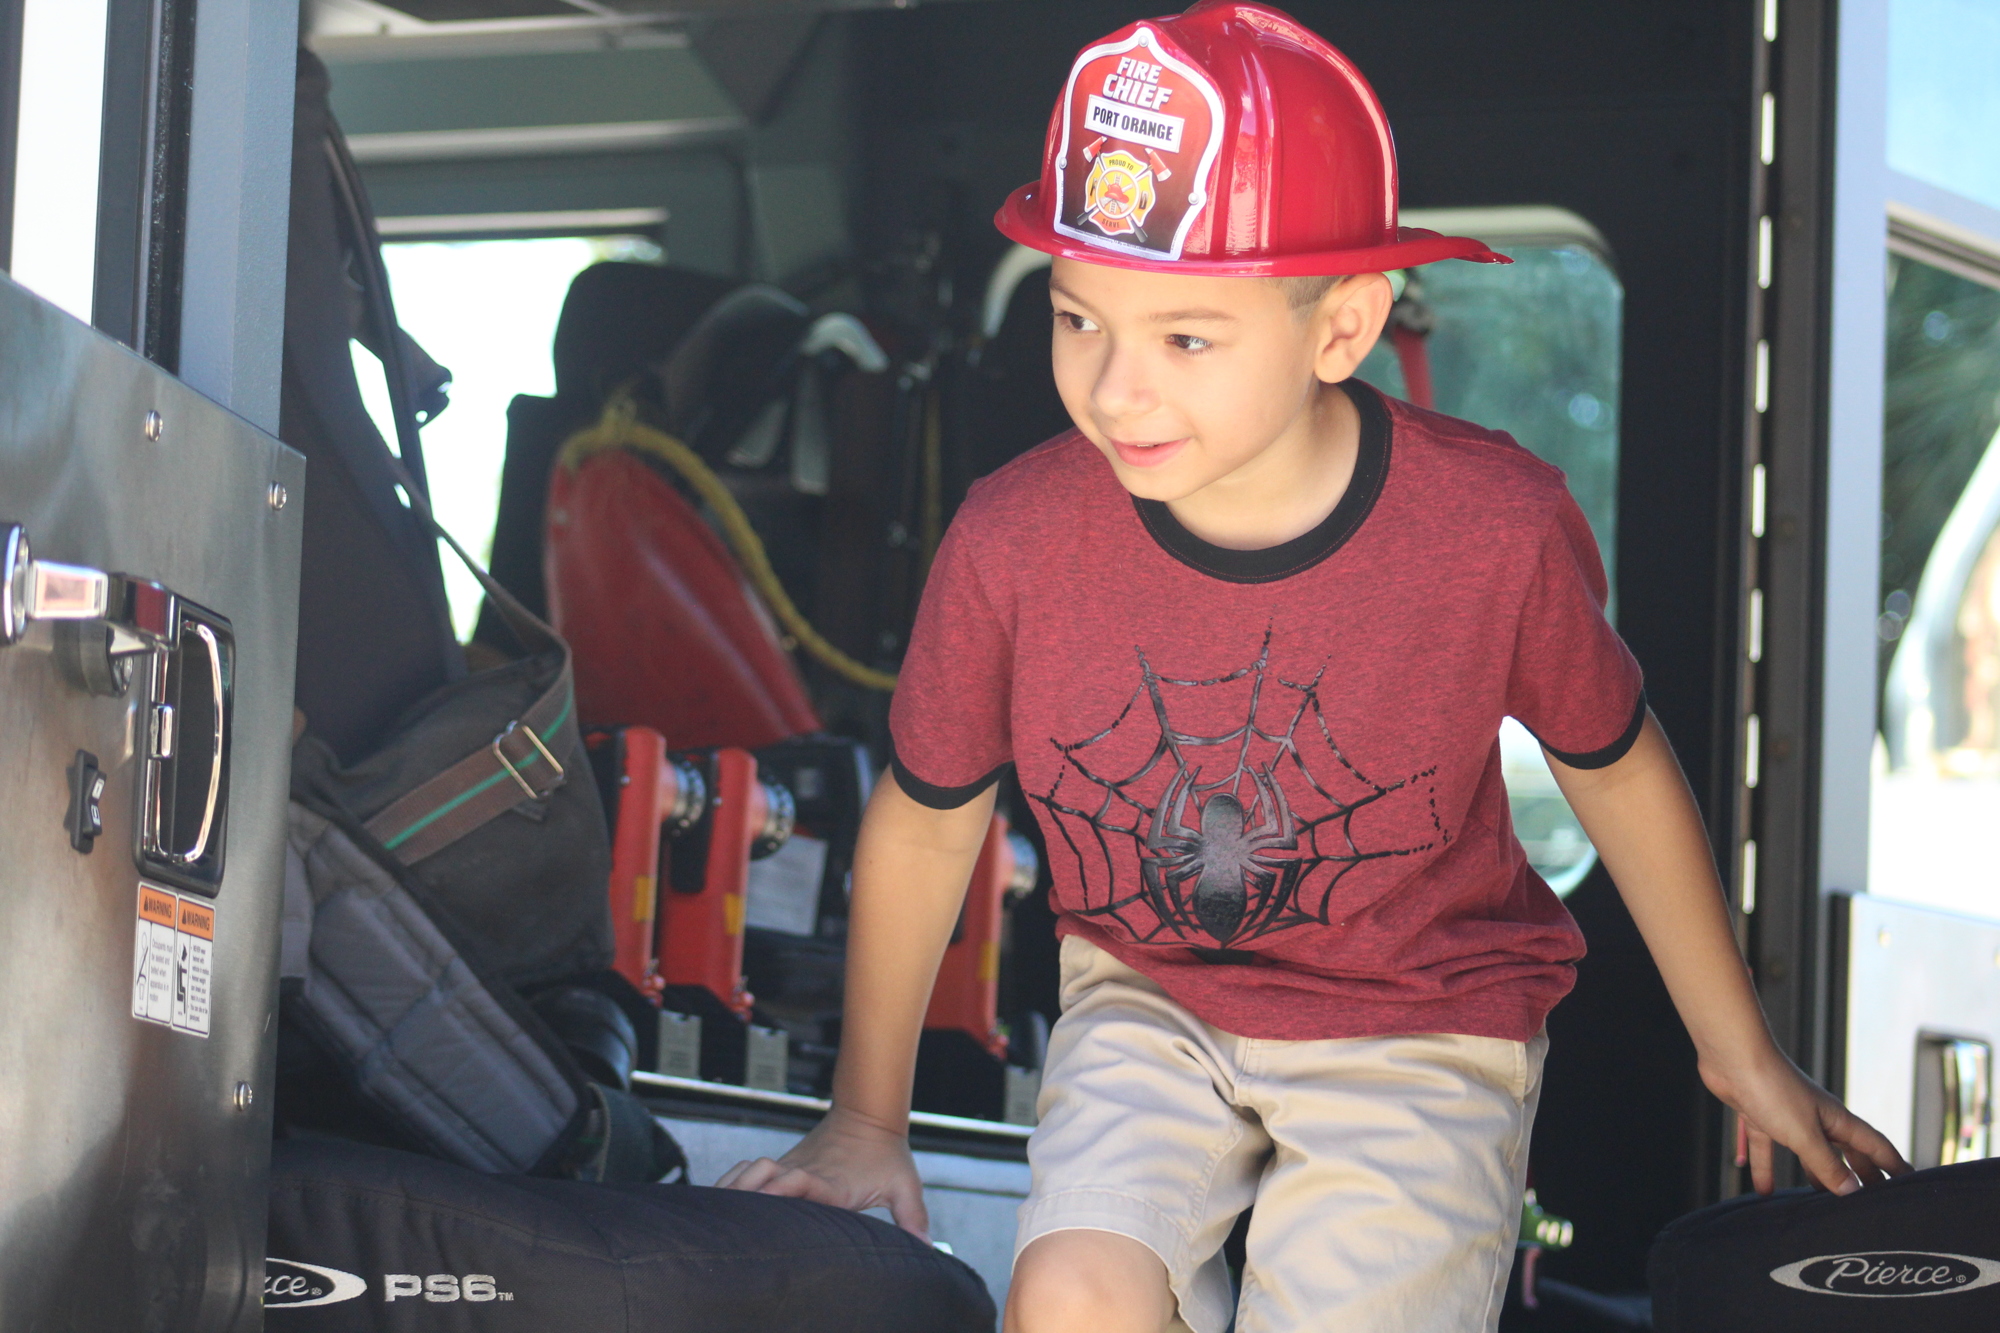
[
  {"x": 1954, "y": 1100},
  {"x": 188, "y": 657}
]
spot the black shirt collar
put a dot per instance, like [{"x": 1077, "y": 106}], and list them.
[{"x": 1371, "y": 469}]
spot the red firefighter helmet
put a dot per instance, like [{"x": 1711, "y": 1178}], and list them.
[{"x": 1229, "y": 141}]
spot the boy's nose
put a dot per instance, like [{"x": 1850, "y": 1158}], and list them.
[{"x": 1124, "y": 391}]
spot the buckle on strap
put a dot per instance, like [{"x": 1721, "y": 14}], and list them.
[{"x": 514, "y": 772}]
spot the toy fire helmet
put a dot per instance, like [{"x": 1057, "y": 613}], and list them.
[{"x": 1228, "y": 142}]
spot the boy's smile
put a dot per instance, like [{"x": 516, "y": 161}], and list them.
[
  {"x": 1213, "y": 394},
  {"x": 1136, "y": 453}
]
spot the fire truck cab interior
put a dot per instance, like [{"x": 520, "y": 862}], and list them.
[{"x": 688, "y": 321}]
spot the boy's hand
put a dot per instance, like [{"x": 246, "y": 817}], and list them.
[
  {"x": 911, "y": 865},
  {"x": 1775, "y": 1103},
  {"x": 848, "y": 1162}
]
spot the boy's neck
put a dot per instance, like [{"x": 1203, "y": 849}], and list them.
[{"x": 1288, "y": 489}]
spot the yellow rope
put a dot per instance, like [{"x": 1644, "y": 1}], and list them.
[{"x": 620, "y": 428}]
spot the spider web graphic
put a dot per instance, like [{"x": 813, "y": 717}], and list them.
[{"x": 1238, "y": 834}]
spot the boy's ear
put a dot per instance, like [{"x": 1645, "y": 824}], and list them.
[{"x": 1348, "y": 323}]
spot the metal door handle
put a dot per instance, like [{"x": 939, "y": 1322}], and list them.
[
  {"x": 183, "y": 783},
  {"x": 1967, "y": 1068},
  {"x": 215, "y": 769},
  {"x": 139, "y": 611},
  {"x": 44, "y": 590}
]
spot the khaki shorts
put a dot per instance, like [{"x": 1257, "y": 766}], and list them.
[{"x": 1386, "y": 1171}]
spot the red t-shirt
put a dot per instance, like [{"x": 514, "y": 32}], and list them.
[{"x": 1270, "y": 780}]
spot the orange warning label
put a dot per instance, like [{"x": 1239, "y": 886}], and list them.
[
  {"x": 156, "y": 906},
  {"x": 173, "y": 961},
  {"x": 153, "y": 956},
  {"x": 197, "y": 920}
]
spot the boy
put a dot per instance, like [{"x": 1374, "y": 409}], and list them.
[{"x": 1248, "y": 635}]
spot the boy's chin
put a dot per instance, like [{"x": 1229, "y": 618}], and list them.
[
  {"x": 1167, "y": 483},
  {"x": 1162, "y": 486}
]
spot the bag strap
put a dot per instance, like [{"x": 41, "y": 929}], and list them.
[{"x": 521, "y": 762}]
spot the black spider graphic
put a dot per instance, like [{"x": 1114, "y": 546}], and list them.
[
  {"x": 1228, "y": 856},
  {"x": 1224, "y": 855}
]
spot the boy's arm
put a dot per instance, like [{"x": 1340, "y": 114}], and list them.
[
  {"x": 911, "y": 868},
  {"x": 1643, "y": 821}
]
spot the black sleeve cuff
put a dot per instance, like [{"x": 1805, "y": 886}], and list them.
[
  {"x": 941, "y": 798},
  {"x": 1611, "y": 753}
]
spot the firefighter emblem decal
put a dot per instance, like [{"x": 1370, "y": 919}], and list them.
[
  {"x": 1141, "y": 132},
  {"x": 1118, "y": 194}
]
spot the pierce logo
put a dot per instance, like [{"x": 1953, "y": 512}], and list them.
[
  {"x": 291, "y": 1285},
  {"x": 1889, "y": 1273}
]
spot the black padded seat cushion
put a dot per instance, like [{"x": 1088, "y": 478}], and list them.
[
  {"x": 553, "y": 1256},
  {"x": 1919, "y": 1252}
]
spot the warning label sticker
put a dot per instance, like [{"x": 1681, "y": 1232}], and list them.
[
  {"x": 153, "y": 956},
  {"x": 196, "y": 957},
  {"x": 173, "y": 961}
]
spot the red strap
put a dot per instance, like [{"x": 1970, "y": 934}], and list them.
[{"x": 1415, "y": 360}]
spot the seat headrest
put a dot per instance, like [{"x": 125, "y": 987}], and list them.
[
  {"x": 621, "y": 319},
  {"x": 737, "y": 359}
]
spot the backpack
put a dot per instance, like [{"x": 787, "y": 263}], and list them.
[{"x": 443, "y": 883}]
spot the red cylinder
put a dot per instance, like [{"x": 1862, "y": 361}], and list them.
[{"x": 664, "y": 631}]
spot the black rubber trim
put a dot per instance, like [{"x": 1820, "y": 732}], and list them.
[
  {"x": 1371, "y": 470},
  {"x": 942, "y": 798},
  {"x": 1611, "y": 753}
]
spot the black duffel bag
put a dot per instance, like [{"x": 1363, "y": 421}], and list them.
[
  {"x": 440, "y": 881},
  {"x": 1921, "y": 1252},
  {"x": 483, "y": 793},
  {"x": 497, "y": 754}
]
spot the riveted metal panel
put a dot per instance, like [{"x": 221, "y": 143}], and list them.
[{"x": 133, "y": 1153}]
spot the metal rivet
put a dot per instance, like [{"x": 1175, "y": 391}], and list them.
[
  {"x": 277, "y": 495},
  {"x": 245, "y": 1097},
  {"x": 156, "y": 425}
]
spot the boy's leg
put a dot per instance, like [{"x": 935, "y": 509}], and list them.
[
  {"x": 1082, "y": 1281},
  {"x": 1393, "y": 1194},
  {"x": 1138, "y": 1149}
]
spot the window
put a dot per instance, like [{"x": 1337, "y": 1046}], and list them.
[
  {"x": 1935, "y": 789},
  {"x": 1531, "y": 348},
  {"x": 485, "y": 309},
  {"x": 1944, "y": 94}
]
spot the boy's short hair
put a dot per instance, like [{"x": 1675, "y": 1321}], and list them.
[{"x": 1304, "y": 293}]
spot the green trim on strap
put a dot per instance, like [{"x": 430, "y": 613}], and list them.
[{"x": 533, "y": 758}]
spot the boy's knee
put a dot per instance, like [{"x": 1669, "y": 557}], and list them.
[{"x": 1088, "y": 1282}]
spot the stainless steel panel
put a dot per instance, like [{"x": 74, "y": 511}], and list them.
[
  {"x": 1915, "y": 977},
  {"x": 133, "y": 1154}
]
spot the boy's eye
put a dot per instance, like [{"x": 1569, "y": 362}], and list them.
[
  {"x": 1187, "y": 342},
  {"x": 1074, "y": 322}
]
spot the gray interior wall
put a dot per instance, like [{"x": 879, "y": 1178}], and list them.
[
  {"x": 764, "y": 199},
  {"x": 459, "y": 91},
  {"x": 700, "y": 189},
  {"x": 801, "y": 159}
]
